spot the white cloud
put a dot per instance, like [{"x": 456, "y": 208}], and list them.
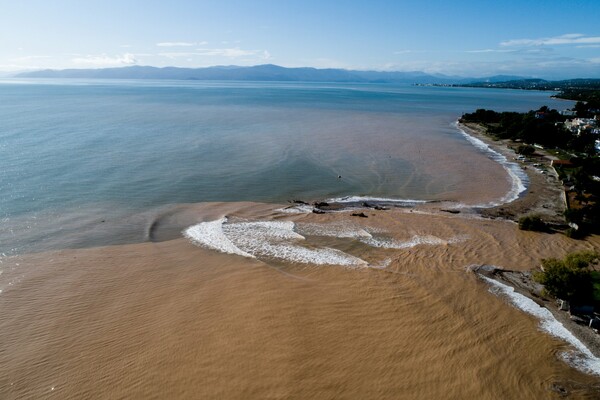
[
  {"x": 488, "y": 51},
  {"x": 224, "y": 52},
  {"x": 28, "y": 58},
  {"x": 570, "y": 38},
  {"x": 18, "y": 67},
  {"x": 180, "y": 44},
  {"x": 234, "y": 52},
  {"x": 177, "y": 54},
  {"x": 104, "y": 61}
]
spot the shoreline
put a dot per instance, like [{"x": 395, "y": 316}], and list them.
[
  {"x": 545, "y": 197},
  {"x": 544, "y": 194},
  {"x": 173, "y": 311},
  {"x": 522, "y": 283}
]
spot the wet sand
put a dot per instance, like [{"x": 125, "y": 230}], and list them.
[{"x": 169, "y": 319}]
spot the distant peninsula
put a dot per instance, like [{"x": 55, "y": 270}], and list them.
[{"x": 266, "y": 72}]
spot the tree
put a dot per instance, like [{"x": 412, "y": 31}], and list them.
[
  {"x": 570, "y": 278},
  {"x": 532, "y": 223},
  {"x": 525, "y": 149}
]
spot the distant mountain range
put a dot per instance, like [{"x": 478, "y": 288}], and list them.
[{"x": 267, "y": 72}]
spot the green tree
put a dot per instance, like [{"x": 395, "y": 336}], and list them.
[
  {"x": 570, "y": 278},
  {"x": 525, "y": 149},
  {"x": 532, "y": 223}
]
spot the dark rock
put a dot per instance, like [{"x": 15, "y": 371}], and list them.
[
  {"x": 362, "y": 215},
  {"x": 451, "y": 211},
  {"x": 317, "y": 211},
  {"x": 374, "y": 206},
  {"x": 321, "y": 204},
  {"x": 561, "y": 390},
  {"x": 299, "y": 202}
]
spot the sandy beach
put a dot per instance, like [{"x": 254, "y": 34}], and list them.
[
  {"x": 168, "y": 318},
  {"x": 544, "y": 195}
]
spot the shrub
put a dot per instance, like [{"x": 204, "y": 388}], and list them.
[
  {"x": 532, "y": 223},
  {"x": 570, "y": 278},
  {"x": 525, "y": 150}
]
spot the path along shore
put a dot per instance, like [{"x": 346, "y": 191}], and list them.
[{"x": 545, "y": 197}]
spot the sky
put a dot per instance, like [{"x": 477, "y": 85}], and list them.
[{"x": 547, "y": 39}]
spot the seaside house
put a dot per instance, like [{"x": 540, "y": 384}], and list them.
[{"x": 582, "y": 125}]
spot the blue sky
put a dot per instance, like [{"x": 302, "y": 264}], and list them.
[{"x": 550, "y": 39}]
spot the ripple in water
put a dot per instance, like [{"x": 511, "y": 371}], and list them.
[{"x": 581, "y": 358}]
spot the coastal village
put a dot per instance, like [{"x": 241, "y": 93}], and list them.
[
  {"x": 563, "y": 147},
  {"x": 583, "y": 126}
]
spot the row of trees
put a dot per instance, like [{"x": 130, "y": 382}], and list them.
[{"x": 543, "y": 127}]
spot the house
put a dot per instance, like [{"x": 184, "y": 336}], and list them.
[{"x": 561, "y": 163}]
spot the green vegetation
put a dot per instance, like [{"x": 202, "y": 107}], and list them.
[
  {"x": 584, "y": 193},
  {"x": 525, "y": 149},
  {"x": 571, "y": 278},
  {"x": 586, "y": 91},
  {"x": 532, "y": 223},
  {"x": 545, "y": 127}
]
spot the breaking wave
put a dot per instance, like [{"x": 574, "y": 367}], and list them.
[
  {"x": 333, "y": 230},
  {"x": 416, "y": 240},
  {"x": 265, "y": 239},
  {"x": 284, "y": 240},
  {"x": 582, "y": 358},
  {"x": 362, "y": 199},
  {"x": 517, "y": 176}
]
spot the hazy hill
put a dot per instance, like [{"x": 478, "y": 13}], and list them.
[{"x": 267, "y": 72}]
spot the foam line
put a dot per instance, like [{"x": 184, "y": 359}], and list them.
[
  {"x": 211, "y": 235},
  {"x": 358, "y": 199},
  {"x": 265, "y": 239},
  {"x": 582, "y": 358},
  {"x": 413, "y": 242},
  {"x": 333, "y": 230},
  {"x": 297, "y": 209},
  {"x": 518, "y": 177},
  {"x": 304, "y": 255},
  {"x": 278, "y": 230}
]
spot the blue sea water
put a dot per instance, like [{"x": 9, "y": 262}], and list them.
[{"x": 85, "y": 151}]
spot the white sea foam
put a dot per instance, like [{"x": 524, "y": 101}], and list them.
[
  {"x": 283, "y": 240},
  {"x": 416, "y": 240},
  {"x": 211, "y": 235},
  {"x": 359, "y": 199},
  {"x": 333, "y": 230},
  {"x": 518, "y": 177},
  {"x": 297, "y": 209},
  {"x": 382, "y": 265},
  {"x": 273, "y": 230},
  {"x": 582, "y": 358},
  {"x": 265, "y": 239},
  {"x": 300, "y": 254}
]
